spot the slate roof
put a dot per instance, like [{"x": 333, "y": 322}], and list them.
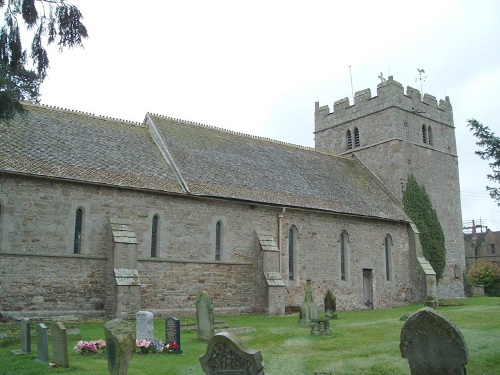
[
  {"x": 216, "y": 162},
  {"x": 56, "y": 143},
  {"x": 51, "y": 142}
]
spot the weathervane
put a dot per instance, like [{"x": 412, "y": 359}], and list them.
[{"x": 420, "y": 72}]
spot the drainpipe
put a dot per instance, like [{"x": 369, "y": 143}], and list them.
[{"x": 280, "y": 215}]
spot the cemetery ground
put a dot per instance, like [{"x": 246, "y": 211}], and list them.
[{"x": 362, "y": 342}]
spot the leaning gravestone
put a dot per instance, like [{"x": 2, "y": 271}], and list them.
[
  {"x": 204, "y": 316},
  {"x": 308, "y": 309},
  {"x": 173, "y": 334},
  {"x": 330, "y": 304},
  {"x": 120, "y": 344},
  {"x": 226, "y": 354},
  {"x": 42, "y": 343},
  {"x": 433, "y": 344},
  {"x": 25, "y": 335},
  {"x": 60, "y": 345},
  {"x": 144, "y": 322}
]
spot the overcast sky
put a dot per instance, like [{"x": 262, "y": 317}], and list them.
[{"x": 258, "y": 67}]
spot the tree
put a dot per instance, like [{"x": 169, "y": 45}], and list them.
[
  {"x": 418, "y": 207},
  {"x": 50, "y": 21},
  {"x": 491, "y": 145}
]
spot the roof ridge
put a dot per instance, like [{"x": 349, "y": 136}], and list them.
[
  {"x": 234, "y": 132},
  {"x": 75, "y": 111}
]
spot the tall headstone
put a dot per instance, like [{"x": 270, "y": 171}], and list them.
[
  {"x": 25, "y": 335},
  {"x": 308, "y": 309},
  {"x": 226, "y": 354},
  {"x": 42, "y": 343},
  {"x": 205, "y": 316},
  {"x": 60, "y": 345},
  {"x": 330, "y": 304},
  {"x": 433, "y": 344},
  {"x": 173, "y": 333},
  {"x": 144, "y": 324},
  {"x": 120, "y": 344}
]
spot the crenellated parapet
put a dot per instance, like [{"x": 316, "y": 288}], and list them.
[{"x": 390, "y": 93}]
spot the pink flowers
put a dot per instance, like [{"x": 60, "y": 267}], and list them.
[
  {"x": 156, "y": 346},
  {"x": 90, "y": 347}
]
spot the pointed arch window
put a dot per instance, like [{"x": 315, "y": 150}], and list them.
[
  {"x": 388, "y": 257},
  {"x": 357, "y": 142},
  {"x": 343, "y": 256},
  {"x": 218, "y": 240},
  {"x": 424, "y": 134},
  {"x": 292, "y": 252},
  {"x": 77, "y": 246},
  {"x": 349, "y": 139},
  {"x": 154, "y": 237}
]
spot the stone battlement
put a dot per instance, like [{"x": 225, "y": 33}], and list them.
[{"x": 390, "y": 93}]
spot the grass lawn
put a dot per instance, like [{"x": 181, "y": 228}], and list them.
[{"x": 362, "y": 342}]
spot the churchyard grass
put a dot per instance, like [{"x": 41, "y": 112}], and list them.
[{"x": 362, "y": 342}]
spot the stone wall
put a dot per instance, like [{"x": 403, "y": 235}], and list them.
[{"x": 40, "y": 273}]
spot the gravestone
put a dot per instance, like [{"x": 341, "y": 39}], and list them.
[
  {"x": 433, "y": 344},
  {"x": 330, "y": 304},
  {"x": 42, "y": 343},
  {"x": 204, "y": 316},
  {"x": 25, "y": 335},
  {"x": 173, "y": 333},
  {"x": 308, "y": 309},
  {"x": 120, "y": 344},
  {"x": 144, "y": 323},
  {"x": 321, "y": 327},
  {"x": 60, "y": 345},
  {"x": 226, "y": 354}
]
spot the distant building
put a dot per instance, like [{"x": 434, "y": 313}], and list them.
[{"x": 481, "y": 246}]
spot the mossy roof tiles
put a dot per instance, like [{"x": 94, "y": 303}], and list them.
[
  {"x": 216, "y": 162},
  {"x": 55, "y": 143}
]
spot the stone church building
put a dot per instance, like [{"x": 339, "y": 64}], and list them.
[{"x": 104, "y": 217}]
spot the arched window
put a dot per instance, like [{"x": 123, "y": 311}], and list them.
[
  {"x": 349, "y": 139},
  {"x": 292, "y": 252},
  {"x": 388, "y": 257},
  {"x": 154, "y": 237},
  {"x": 77, "y": 248},
  {"x": 424, "y": 134},
  {"x": 429, "y": 135},
  {"x": 356, "y": 137},
  {"x": 343, "y": 256},
  {"x": 218, "y": 240}
]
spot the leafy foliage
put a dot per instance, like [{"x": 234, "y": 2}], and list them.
[
  {"x": 418, "y": 207},
  {"x": 50, "y": 21},
  {"x": 484, "y": 273},
  {"x": 491, "y": 145}
]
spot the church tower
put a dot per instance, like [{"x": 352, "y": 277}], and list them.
[{"x": 394, "y": 135}]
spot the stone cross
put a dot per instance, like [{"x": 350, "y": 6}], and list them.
[
  {"x": 42, "y": 343},
  {"x": 433, "y": 344},
  {"x": 381, "y": 76},
  {"x": 204, "y": 316},
  {"x": 120, "y": 344},
  {"x": 226, "y": 354},
  {"x": 60, "y": 345},
  {"x": 144, "y": 322},
  {"x": 308, "y": 309}
]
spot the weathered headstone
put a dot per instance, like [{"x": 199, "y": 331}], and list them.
[
  {"x": 321, "y": 327},
  {"x": 25, "y": 335},
  {"x": 433, "y": 344},
  {"x": 60, "y": 345},
  {"x": 42, "y": 343},
  {"x": 120, "y": 344},
  {"x": 308, "y": 309},
  {"x": 144, "y": 322},
  {"x": 173, "y": 333},
  {"x": 204, "y": 316},
  {"x": 226, "y": 354},
  {"x": 330, "y": 304}
]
